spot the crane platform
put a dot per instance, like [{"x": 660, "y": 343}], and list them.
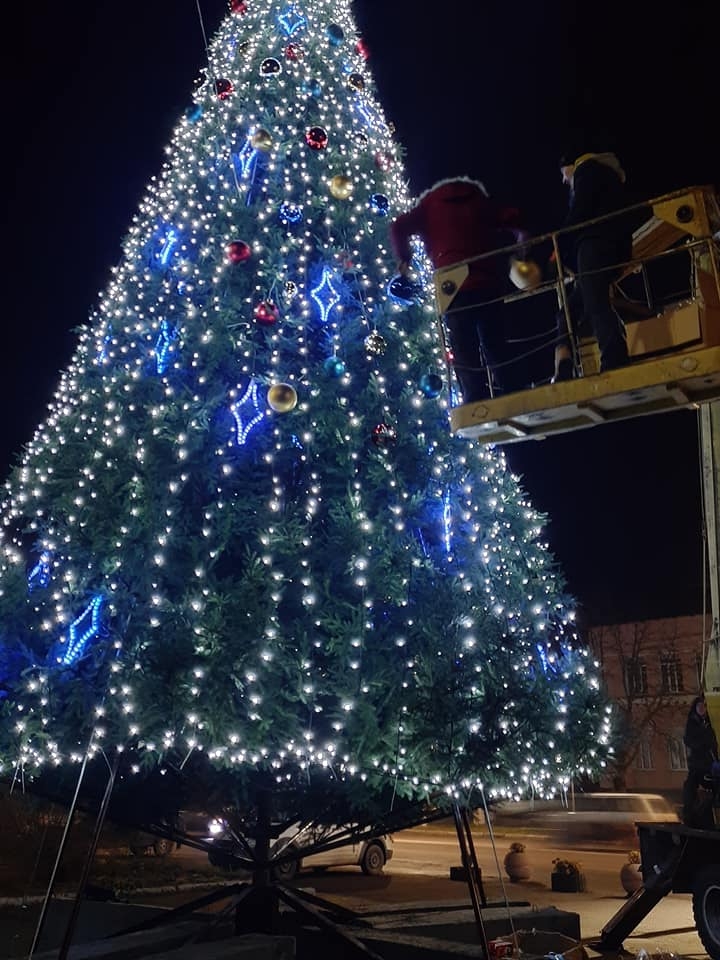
[
  {"x": 682, "y": 380},
  {"x": 674, "y": 350}
]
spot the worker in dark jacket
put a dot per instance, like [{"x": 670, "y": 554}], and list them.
[
  {"x": 456, "y": 221},
  {"x": 702, "y": 752},
  {"x": 595, "y": 254}
]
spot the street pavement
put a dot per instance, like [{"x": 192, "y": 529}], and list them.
[
  {"x": 443, "y": 911},
  {"x": 417, "y": 884},
  {"x": 669, "y": 929},
  {"x": 667, "y": 933}
]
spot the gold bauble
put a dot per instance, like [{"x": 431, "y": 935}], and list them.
[
  {"x": 261, "y": 140},
  {"x": 282, "y": 398},
  {"x": 525, "y": 274},
  {"x": 341, "y": 187}
]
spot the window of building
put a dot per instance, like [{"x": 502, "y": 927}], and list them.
[
  {"x": 677, "y": 755},
  {"x": 671, "y": 673},
  {"x": 635, "y": 677},
  {"x": 644, "y": 760}
]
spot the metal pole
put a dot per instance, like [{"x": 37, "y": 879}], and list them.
[
  {"x": 72, "y": 922},
  {"x": 709, "y": 438},
  {"x": 710, "y": 446},
  {"x": 469, "y": 862},
  {"x": 58, "y": 858},
  {"x": 563, "y": 301}
]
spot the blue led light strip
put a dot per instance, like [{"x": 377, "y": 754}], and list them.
[
  {"x": 248, "y": 403},
  {"x": 83, "y": 629},
  {"x": 325, "y": 295},
  {"x": 292, "y": 21},
  {"x": 39, "y": 576}
]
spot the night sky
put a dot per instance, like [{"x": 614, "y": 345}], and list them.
[{"x": 487, "y": 90}]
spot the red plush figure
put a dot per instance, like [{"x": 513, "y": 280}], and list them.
[{"x": 457, "y": 221}]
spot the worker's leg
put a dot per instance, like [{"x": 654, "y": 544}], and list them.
[
  {"x": 690, "y": 798},
  {"x": 470, "y": 365},
  {"x": 564, "y": 362},
  {"x": 594, "y": 283}
]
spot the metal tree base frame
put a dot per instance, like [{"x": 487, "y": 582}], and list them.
[
  {"x": 256, "y": 904},
  {"x": 256, "y": 908}
]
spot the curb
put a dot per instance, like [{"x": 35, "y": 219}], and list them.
[{"x": 118, "y": 896}]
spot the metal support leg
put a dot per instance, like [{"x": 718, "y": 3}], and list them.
[
  {"x": 58, "y": 859},
  {"x": 99, "y": 822},
  {"x": 472, "y": 870}
]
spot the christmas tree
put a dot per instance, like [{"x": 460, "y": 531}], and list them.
[{"x": 244, "y": 531}]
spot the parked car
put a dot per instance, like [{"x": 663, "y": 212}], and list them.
[
  {"x": 588, "y": 816},
  {"x": 370, "y": 853},
  {"x": 143, "y": 844}
]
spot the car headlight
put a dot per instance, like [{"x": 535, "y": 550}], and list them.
[{"x": 216, "y": 827}]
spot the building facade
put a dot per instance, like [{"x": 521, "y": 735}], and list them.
[{"x": 652, "y": 670}]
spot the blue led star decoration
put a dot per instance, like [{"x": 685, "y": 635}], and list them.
[
  {"x": 167, "y": 246},
  {"x": 247, "y": 157},
  {"x": 292, "y": 21},
  {"x": 246, "y": 412},
  {"x": 447, "y": 522},
  {"x": 39, "y": 576},
  {"x": 82, "y": 630},
  {"x": 165, "y": 345},
  {"x": 370, "y": 114},
  {"x": 325, "y": 295},
  {"x": 547, "y": 665}
]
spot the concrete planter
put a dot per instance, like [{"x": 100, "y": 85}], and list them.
[
  {"x": 517, "y": 866},
  {"x": 631, "y": 877},
  {"x": 568, "y": 882}
]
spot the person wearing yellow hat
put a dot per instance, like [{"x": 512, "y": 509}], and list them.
[{"x": 595, "y": 252}]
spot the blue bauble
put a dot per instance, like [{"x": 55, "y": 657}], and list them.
[
  {"x": 431, "y": 385},
  {"x": 194, "y": 112},
  {"x": 380, "y": 204},
  {"x": 335, "y": 34},
  {"x": 334, "y": 367},
  {"x": 403, "y": 290},
  {"x": 290, "y": 213},
  {"x": 312, "y": 87}
]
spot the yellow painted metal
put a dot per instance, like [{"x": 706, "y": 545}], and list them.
[
  {"x": 447, "y": 283},
  {"x": 688, "y": 212},
  {"x": 709, "y": 420},
  {"x": 712, "y": 686},
  {"x": 675, "y": 356},
  {"x": 680, "y": 380}
]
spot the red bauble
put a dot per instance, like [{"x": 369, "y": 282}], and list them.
[
  {"x": 238, "y": 6},
  {"x": 223, "y": 88},
  {"x": 294, "y": 52},
  {"x": 316, "y": 138},
  {"x": 238, "y": 251},
  {"x": 266, "y": 312},
  {"x": 362, "y": 49},
  {"x": 384, "y": 435}
]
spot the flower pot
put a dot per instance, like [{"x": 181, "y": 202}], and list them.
[
  {"x": 517, "y": 866},
  {"x": 631, "y": 877},
  {"x": 568, "y": 882}
]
